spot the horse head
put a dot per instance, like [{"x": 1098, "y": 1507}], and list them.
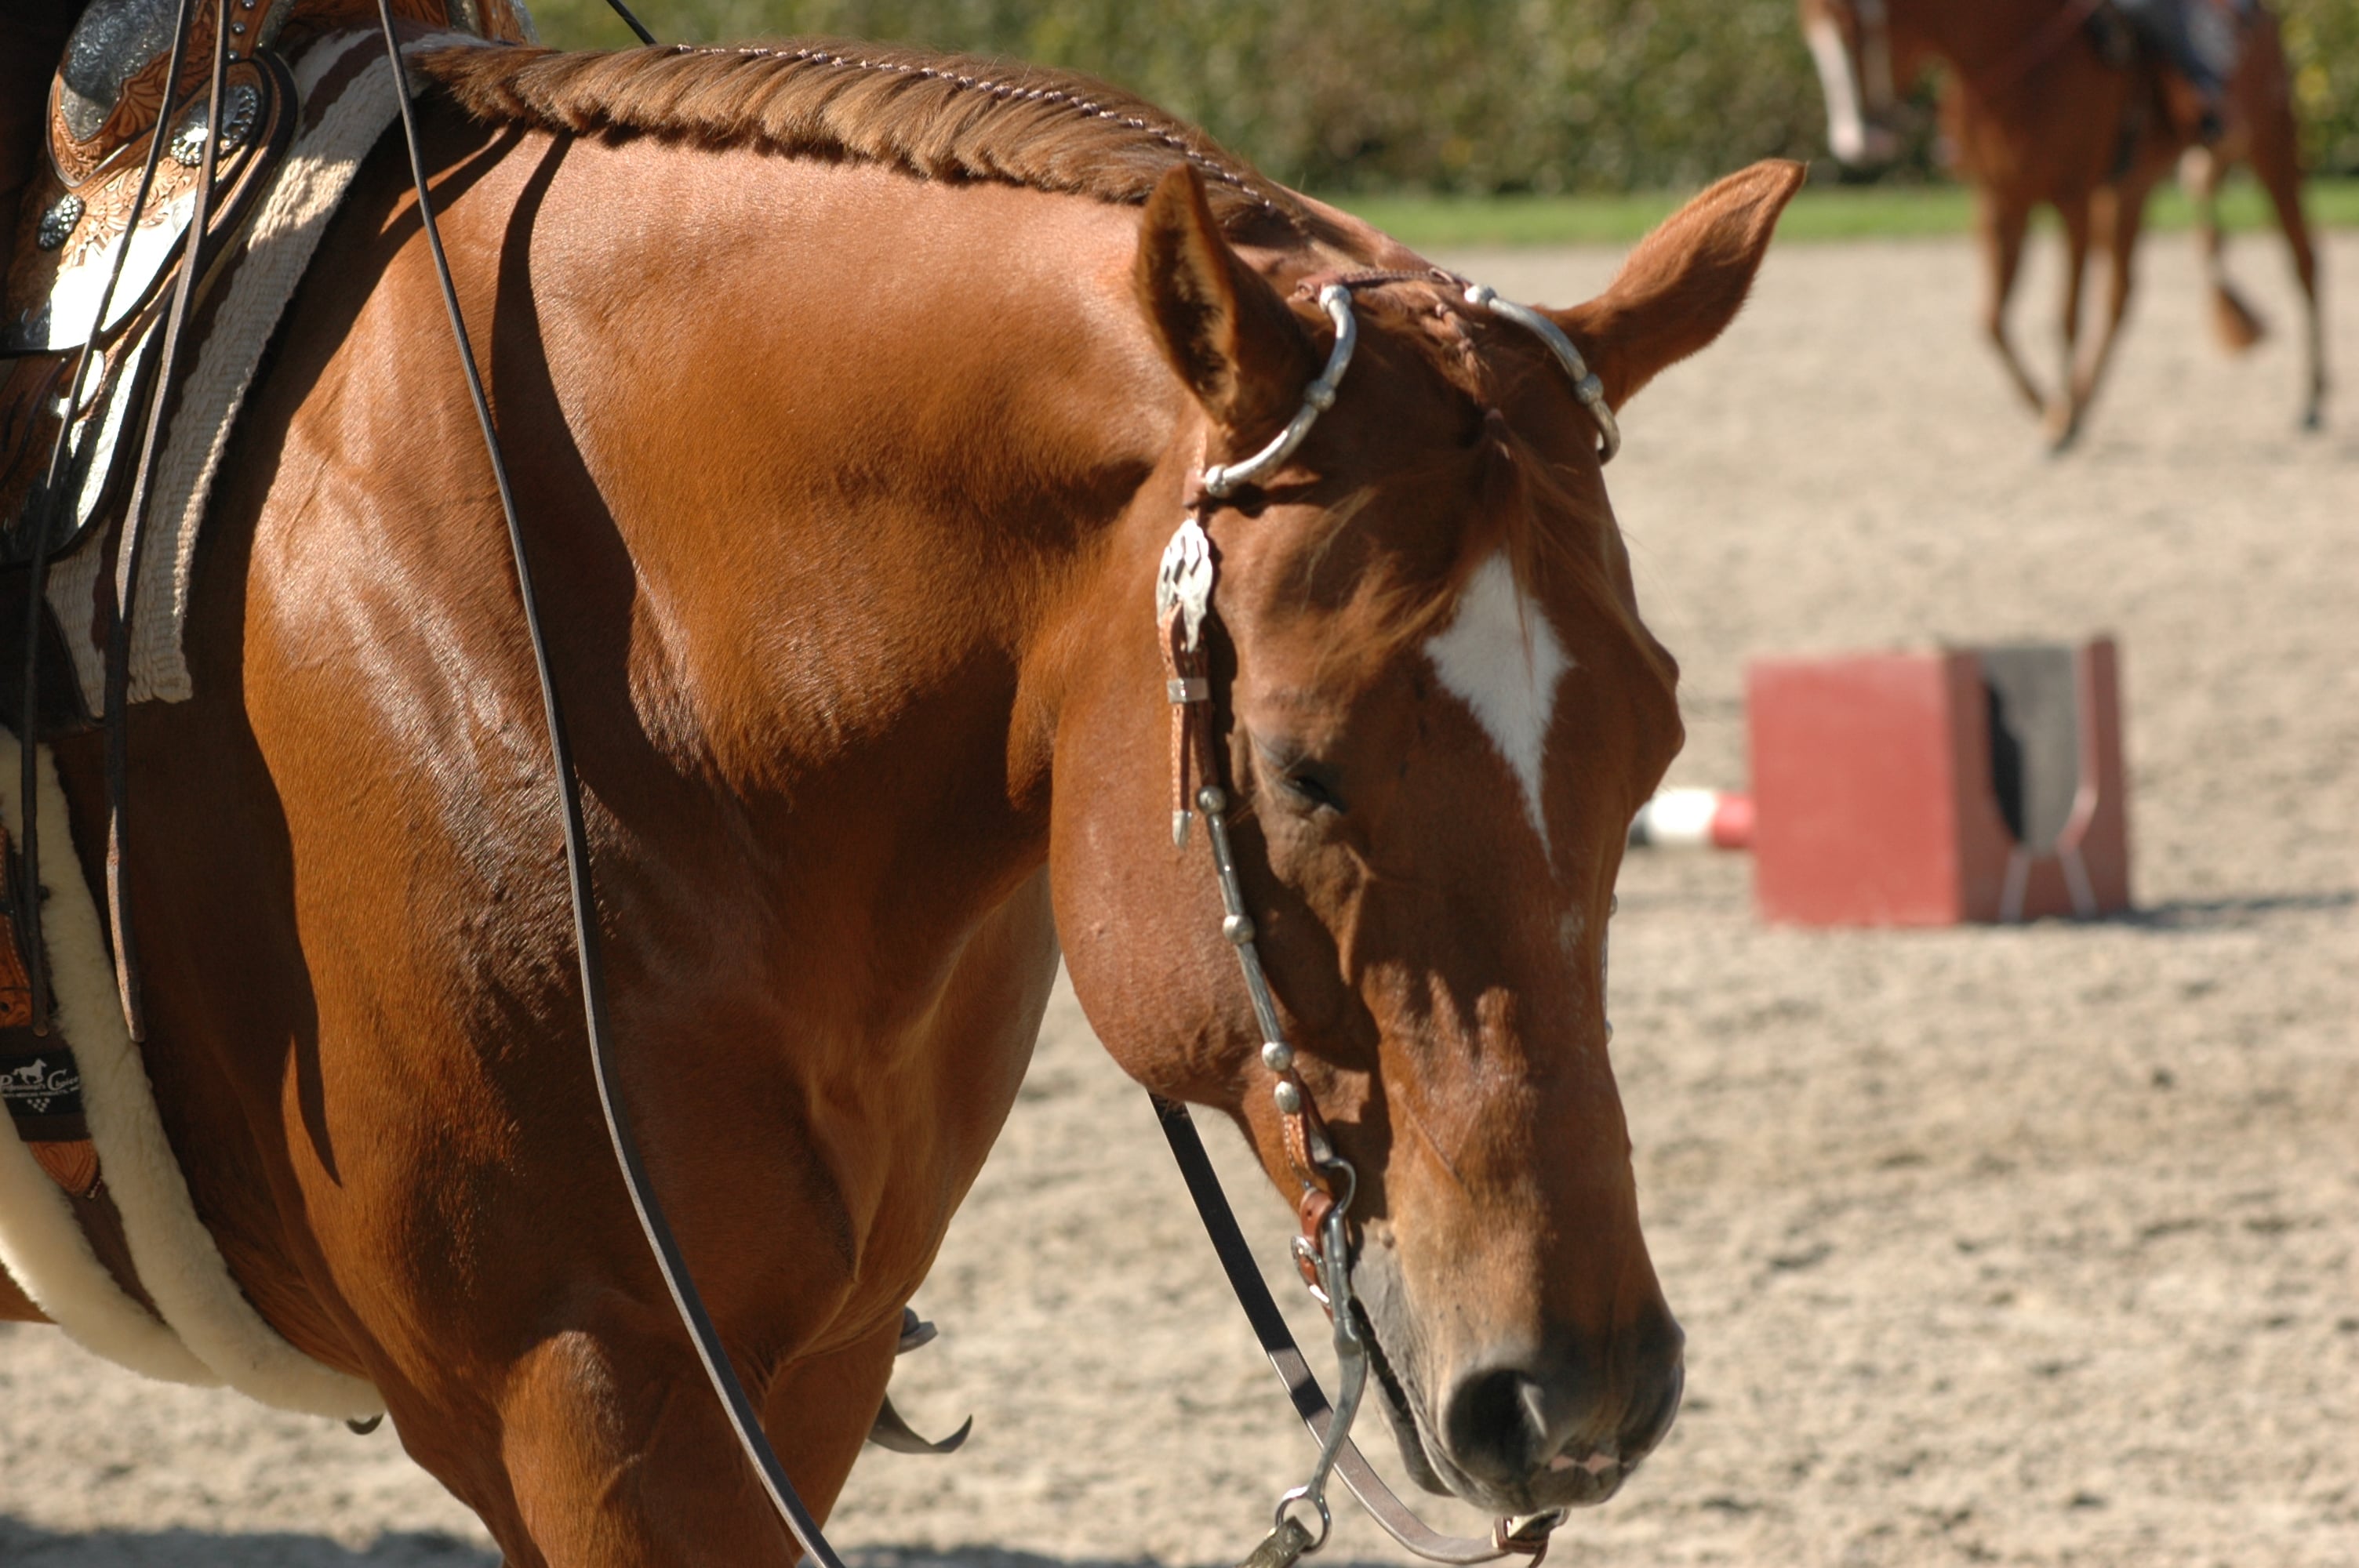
[
  {"x": 1850, "y": 45},
  {"x": 1436, "y": 710}
]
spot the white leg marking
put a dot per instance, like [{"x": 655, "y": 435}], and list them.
[
  {"x": 1846, "y": 130},
  {"x": 1502, "y": 659}
]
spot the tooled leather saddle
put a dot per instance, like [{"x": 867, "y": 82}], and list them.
[
  {"x": 84, "y": 268},
  {"x": 109, "y": 101}
]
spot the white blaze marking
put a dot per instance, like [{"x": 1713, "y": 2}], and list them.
[
  {"x": 1502, "y": 659},
  {"x": 1846, "y": 130}
]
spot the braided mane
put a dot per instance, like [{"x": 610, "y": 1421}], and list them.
[{"x": 937, "y": 116}]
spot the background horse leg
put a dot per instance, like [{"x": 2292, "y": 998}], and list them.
[
  {"x": 2277, "y": 159},
  {"x": 2000, "y": 225},
  {"x": 2063, "y": 419},
  {"x": 2120, "y": 212},
  {"x": 2233, "y": 321}
]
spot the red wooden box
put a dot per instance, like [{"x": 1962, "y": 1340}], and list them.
[{"x": 1931, "y": 788}]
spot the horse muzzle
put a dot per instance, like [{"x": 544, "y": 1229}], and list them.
[
  {"x": 1503, "y": 1440},
  {"x": 1520, "y": 1430}
]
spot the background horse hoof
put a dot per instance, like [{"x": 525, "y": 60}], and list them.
[
  {"x": 2062, "y": 426},
  {"x": 2233, "y": 322}
]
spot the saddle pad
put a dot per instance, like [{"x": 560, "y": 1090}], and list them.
[
  {"x": 209, "y": 1332},
  {"x": 348, "y": 100}
]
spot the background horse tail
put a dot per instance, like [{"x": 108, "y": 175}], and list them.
[{"x": 2235, "y": 323}]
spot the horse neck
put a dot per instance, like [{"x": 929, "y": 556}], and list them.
[
  {"x": 861, "y": 463},
  {"x": 1974, "y": 37}
]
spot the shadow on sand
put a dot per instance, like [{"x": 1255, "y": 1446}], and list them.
[
  {"x": 997, "y": 1557},
  {"x": 26, "y": 1546},
  {"x": 2229, "y": 914}
]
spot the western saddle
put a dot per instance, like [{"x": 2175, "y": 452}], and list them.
[{"x": 83, "y": 268}]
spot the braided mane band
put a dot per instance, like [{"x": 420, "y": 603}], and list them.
[{"x": 937, "y": 116}]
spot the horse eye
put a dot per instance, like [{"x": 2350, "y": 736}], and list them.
[{"x": 1312, "y": 785}]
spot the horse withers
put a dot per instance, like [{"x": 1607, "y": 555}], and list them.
[
  {"x": 2053, "y": 103},
  {"x": 851, "y": 398}
]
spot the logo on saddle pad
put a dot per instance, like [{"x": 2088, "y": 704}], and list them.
[{"x": 45, "y": 1084}]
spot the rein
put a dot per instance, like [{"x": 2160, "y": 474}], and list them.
[
  {"x": 1323, "y": 1253},
  {"x": 56, "y": 494},
  {"x": 678, "y": 1281},
  {"x": 115, "y": 703}
]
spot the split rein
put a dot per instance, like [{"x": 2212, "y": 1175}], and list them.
[
  {"x": 52, "y": 500},
  {"x": 1323, "y": 1253}
]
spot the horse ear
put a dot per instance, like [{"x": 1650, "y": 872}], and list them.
[
  {"x": 1684, "y": 283},
  {"x": 1221, "y": 326}
]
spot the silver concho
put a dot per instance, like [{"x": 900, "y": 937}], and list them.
[
  {"x": 58, "y": 223},
  {"x": 189, "y": 146},
  {"x": 1186, "y": 579}
]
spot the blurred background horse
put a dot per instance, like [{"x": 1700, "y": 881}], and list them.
[{"x": 2082, "y": 106}]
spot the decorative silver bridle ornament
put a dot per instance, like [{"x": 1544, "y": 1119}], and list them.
[{"x": 1586, "y": 385}]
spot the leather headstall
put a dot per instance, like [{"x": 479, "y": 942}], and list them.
[
  {"x": 1184, "y": 584},
  {"x": 1184, "y": 613},
  {"x": 1196, "y": 766}
]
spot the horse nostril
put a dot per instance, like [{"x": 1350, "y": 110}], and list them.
[
  {"x": 1650, "y": 1420},
  {"x": 1493, "y": 1427},
  {"x": 1657, "y": 1372}
]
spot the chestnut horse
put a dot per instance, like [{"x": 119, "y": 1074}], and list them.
[
  {"x": 2039, "y": 114},
  {"x": 850, "y": 401}
]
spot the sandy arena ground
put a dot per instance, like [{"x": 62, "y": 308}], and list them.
[{"x": 2033, "y": 1246}]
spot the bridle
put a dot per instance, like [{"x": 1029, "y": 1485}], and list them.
[
  {"x": 1878, "y": 93},
  {"x": 1183, "y": 608},
  {"x": 1184, "y": 604}
]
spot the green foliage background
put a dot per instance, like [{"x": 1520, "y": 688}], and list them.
[{"x": 1444, "y": 95}]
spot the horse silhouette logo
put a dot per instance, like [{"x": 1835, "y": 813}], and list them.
[{"x": 36, "y": 1085}]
